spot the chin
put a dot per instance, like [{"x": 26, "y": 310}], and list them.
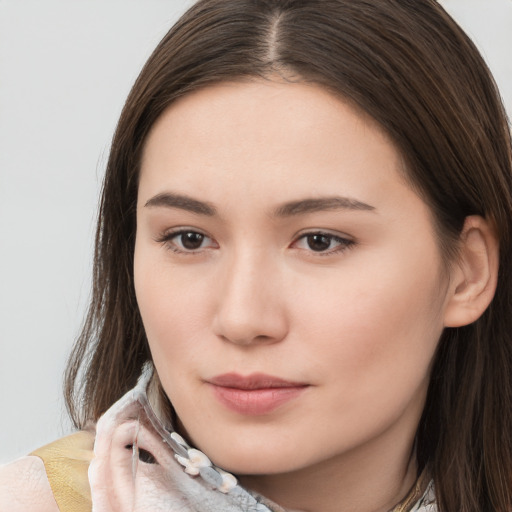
[
  {"x": 244, "y": 460},
  {"x": 246, "y": 466}
]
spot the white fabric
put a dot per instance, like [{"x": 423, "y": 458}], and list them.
[
  {"x": 183, "y": 479},
  {"x": 121, "y": 481},
  {"x": 24, "y": 487}
]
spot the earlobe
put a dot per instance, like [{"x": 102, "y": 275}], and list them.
[{"x": 474, "y": 275}]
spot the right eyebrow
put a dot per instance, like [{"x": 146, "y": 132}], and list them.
[
  {"x": 318, "y": 204},
  {"x": 182, "y": 202}
]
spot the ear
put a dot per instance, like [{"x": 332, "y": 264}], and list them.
[{"x": 473, "y": 277}]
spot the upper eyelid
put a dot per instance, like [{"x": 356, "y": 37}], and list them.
[
  {"x": 168, "y": 233},
  {"x": 326, "y": 232},
  {"x": 330, "y": 235}
]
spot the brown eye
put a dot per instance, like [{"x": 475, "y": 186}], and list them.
[
  {"x": 191, "y": 240},
  {"x": 324, "y": 244},
  {"x": 187, "y": 241},
  {"x": 319, "y": 242}
]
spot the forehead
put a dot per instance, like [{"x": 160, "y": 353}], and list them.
[
  {"x": 254, "y": 137},
  {"x": 261, "y": 108}
]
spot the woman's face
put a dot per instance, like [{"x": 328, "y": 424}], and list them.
[{"x": 288, "y": 278}]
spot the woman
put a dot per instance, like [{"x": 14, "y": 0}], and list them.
[{"x": 302, "y": 274}]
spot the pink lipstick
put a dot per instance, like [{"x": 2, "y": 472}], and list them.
[{"x": 255, "y": 394}]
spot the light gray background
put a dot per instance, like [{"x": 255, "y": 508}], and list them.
[{"x": 65, "y": 69}]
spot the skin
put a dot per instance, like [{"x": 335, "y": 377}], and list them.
[{"x": 357, "y": 322}]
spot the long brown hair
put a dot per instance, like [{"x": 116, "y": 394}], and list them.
[{"x": 409, "y": 66}]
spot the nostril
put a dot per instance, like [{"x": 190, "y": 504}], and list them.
[{"x": 249, "y": 340}]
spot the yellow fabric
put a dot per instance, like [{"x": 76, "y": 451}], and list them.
[{"x": 66, "y": 462}]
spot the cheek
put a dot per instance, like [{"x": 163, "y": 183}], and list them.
[
  {"x": 172, "y": 304},
  {"x": 375, "y": 325}
]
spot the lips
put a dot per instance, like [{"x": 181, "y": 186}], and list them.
[{"x": 255, "y": 394}]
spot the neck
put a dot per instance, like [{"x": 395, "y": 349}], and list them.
[{"x": 372, "y": 478}]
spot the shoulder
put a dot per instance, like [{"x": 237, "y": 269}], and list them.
[
  {"x": 24, "y": 487},
  {"x": 51, "y": 478}
]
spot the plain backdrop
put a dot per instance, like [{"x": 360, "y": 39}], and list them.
[{"x": 65, "y": 70}]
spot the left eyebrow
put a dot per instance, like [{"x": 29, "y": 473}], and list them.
[
  {"x": 321, "y": 204},
  {"x": 182, "y": 202}
]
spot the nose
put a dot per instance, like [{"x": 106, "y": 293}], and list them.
[{"x": 251, "y": 307}]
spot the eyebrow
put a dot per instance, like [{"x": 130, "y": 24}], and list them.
[
  {"x": 292, "y": 208},
  {"x": 321, "y": 204},
  {"x": 182, "y": 202}
]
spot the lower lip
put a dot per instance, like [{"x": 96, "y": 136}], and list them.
[{"x": 255, "y": 402}]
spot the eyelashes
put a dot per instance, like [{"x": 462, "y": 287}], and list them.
[
  {"x": 187, "y": 241},
  {"x": 193, "y": 242},
  {"x": 323, "y": 243}
]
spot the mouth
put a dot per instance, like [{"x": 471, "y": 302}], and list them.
[{"x": 255, "y": 394}]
